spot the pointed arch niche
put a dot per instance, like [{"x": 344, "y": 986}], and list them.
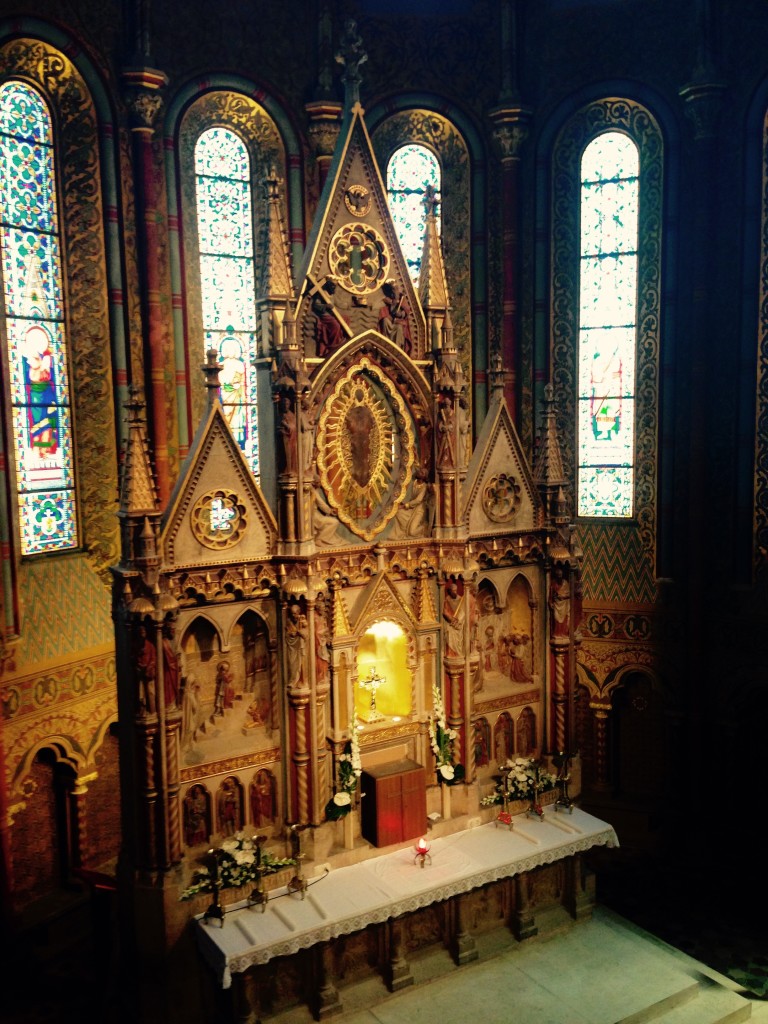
[
  {"x": 229, "y": 692},
  {"x": 384, "y": 688}
]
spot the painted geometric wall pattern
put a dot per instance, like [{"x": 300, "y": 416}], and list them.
[
  {"x": 79, "y": 618},
  {"x": 617, "y": 566}
]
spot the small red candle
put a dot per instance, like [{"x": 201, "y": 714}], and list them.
[{"x": 422, "y": 852}]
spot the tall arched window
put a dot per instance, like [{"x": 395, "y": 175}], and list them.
[
  {"x": 35, "y": 330},
  {"x": 607, "y": 326},
  {"x": 607, "y": 175},
  {"x": 227, "y": 278},
  {"x": 410, "y": 170}
]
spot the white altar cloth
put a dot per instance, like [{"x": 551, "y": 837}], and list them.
[{"x": 349, "y": 899}]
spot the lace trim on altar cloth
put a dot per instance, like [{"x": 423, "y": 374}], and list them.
[{"x": 351, "y": 898}]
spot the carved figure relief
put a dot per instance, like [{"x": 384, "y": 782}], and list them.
[
  {"x": 225, "y": 697},
  {"x": 504, "y": 641}
]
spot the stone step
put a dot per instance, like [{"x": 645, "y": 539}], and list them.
[{"x": 601, "y": 971}]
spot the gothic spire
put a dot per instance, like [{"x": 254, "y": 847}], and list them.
[
  {"x": 351, "y": 56},
  {"x": 548, "y": 463}
]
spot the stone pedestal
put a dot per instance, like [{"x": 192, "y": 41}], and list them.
[
  {"x": 445, "y": 801},
  {"x": 349, "y": 830}
]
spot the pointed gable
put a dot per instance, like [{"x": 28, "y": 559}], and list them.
[
  {"x": 500, "y": 494},
  {"x": 217, "y": 513},
  {"x": 382, "y": 600},
  {"x": 354, "y": 244}
]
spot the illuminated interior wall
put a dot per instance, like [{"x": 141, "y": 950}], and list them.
[{"x": 384, "y": 647}]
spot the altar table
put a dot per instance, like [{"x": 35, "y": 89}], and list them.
[{"x": 348, "y": 899}]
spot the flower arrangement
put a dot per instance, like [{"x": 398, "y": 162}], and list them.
[
  {"x": 238, "y": 861},
  {"x": 349, "y": 772},
  {"x": 441, "y": 740},
  {"x": 524, "y": 775}
]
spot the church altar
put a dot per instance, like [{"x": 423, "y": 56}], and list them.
[{"x": 349, "y": 899}]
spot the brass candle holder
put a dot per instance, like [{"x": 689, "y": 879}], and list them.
[
  {"x": 215, "y": 911},
  {"x": 421, "y": 853},
  {"x": 298, "y": 883},
  {"x": 258, "y": 896},
  {"x": 504, "y": 817},
  {"x": 535, "y": 809},
  {"x": 562, "y": 762}
]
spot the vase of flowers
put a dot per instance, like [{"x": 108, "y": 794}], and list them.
[
  {"x": 441, "y": 739},
  {"x": 348, "y": 774},
  {"x": 239, "y": 861},
  {"x": 522, "y": 780}
]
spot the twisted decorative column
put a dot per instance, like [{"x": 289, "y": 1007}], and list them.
[
  {"x": 300, "y": 707},
  {"x": 79, "y": 842},
  {"x": 601, "y": 711},
  {"x": 173, "y": 784},
  {"x": 455, "y": 674},
  {"x": 560, "y": 657}
]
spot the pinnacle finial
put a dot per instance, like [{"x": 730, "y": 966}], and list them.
[{"x": 351, "y": 55}]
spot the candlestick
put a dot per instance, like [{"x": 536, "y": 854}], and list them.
[{"x": 422, "y": 853}]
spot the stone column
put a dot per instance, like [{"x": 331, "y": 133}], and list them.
[
  {"x": 511, "y": 130},
  {"x": 580, "y": 895},
  {"x": 524, "y": 921},
  {"x": 398, "y": 969},
  {"x": 464, "y": 946},
  {"x": 142, "y": 86},
  {"x": 328, "y": 1003}
]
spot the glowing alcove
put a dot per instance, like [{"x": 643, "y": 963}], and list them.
[{"x": 383, "y": 651}]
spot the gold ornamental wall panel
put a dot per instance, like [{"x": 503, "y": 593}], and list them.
[{"x": 366, "y": 451}]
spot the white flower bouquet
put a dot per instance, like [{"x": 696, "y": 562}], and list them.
[
  {"x": 238, "y": 861},
  {"x": 525, "y": 777},
  {"x": 349, "y": 771},
  {"x": 441, "y": 740}
]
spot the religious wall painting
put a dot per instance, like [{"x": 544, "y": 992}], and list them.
[
  {"x": 481, "y": 732},
  {"x": 503, "y": 636},
  {"x": 227, "y": 693},
  {"x": 526, "y": 732},
  {"x": 196, "y": 815},
  {"x": 263, "y": 799},
  {"x": 229, "y": 807},
  {"x": 503, "y": 738},
  {"x": 365, "y": 447}
]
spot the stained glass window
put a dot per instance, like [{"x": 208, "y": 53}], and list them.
[
  {"x": 227, "y": 277},
  {"x": 411, "y": 168},
  {"x": 607, "y": 326},
  {"x": 35, "y": 329}
]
